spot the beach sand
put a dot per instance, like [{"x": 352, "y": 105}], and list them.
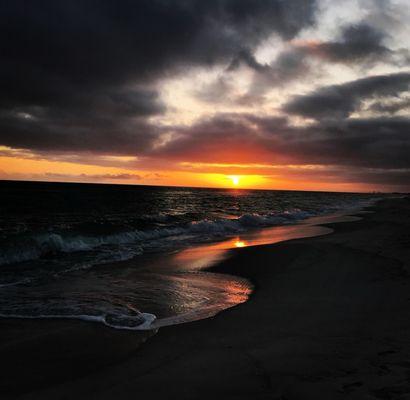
[{"x": 329, "y": 319}]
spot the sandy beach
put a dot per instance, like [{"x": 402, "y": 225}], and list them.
[{"x": 329, "y": 319}]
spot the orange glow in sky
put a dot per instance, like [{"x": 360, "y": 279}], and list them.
[{"x": 211, "y": 175}]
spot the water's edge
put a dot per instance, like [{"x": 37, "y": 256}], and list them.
[{"x": 207, "y": 256}]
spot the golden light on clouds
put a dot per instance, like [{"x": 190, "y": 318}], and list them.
[{"x": 240, "y": 243}]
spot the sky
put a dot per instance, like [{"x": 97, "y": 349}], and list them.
[{"x": 274, "y": 94}]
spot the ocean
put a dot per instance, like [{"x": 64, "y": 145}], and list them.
[{"x": 126, "y": 256}]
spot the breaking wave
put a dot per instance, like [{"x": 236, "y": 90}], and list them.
[
  {"x": 51, "y": 243},
  {"x": 126, "y": 245}
]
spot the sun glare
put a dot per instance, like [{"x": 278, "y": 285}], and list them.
[{"x": 235, "y": 179}]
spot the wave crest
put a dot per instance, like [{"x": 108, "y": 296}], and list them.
[{"x": 52, "y": 243}]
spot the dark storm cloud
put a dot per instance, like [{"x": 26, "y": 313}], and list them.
[
  {"x": 398, "y": 178},
  {"x": 81, "y": 75},
  {"x": 372, "y": 143},
  {"x": 72, "y": 133},
  {"x": 357, "y": 45},
  {"x": 361, "y": 42},
  {"x": 390, "y": 107},
  {"x": 337, "y": 101},
  {"x": 112, "y": 41}
]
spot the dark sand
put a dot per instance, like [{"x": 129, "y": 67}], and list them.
[{"x": 329, "y": 319}]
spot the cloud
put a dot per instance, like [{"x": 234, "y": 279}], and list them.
[
  {"x": 361, "y": 142},
  {"x": 100, "y": 44},
  {"x": 218, "y": 91},
  {"x": 244, "y": 138},
  {"x": 83, "y": 76},
  {"x": 101, "y": 134},
  {"x": 82, "y": 82},
  {"x": 245, "y": 57},
  {"x": 228, "y": 137},
  {"x": 93, "y": 177},
  {"x": 356, "y": 43},
  {"x": 337, "y": 101},
  {"x": 290, "y": 64},
  {"x": 390, "y": 106}
]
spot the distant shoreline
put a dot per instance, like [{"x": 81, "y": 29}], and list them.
[{"x": 127, "y": 185}]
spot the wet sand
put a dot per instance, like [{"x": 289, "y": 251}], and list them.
[{"x": 329, "y": 319}]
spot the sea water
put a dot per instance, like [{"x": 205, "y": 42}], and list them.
[{"x": 124, "y": 255}]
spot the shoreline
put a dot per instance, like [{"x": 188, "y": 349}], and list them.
[
  {"x": 203, "y": 257},
  {"x": 272, "y": 345}
]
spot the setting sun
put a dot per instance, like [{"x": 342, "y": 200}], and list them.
[{"x": 235, "y": 179}]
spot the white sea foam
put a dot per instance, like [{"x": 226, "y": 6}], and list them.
[
  {"x": 146, "y": 324},
  {"x": 51, "y": 243}
]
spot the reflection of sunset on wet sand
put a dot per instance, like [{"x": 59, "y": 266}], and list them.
[
  {"x": 227, "y": 290},
  {"x": 206, "y": 255},
  {"x": 203, "y": 296}
]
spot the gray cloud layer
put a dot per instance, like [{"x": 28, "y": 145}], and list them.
[
  {"x": 341, "y": 100},
  {"x": 79, "y": 75},
  {"x": 359, "y": 42},
  {"x": 384, "y": 141}
]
